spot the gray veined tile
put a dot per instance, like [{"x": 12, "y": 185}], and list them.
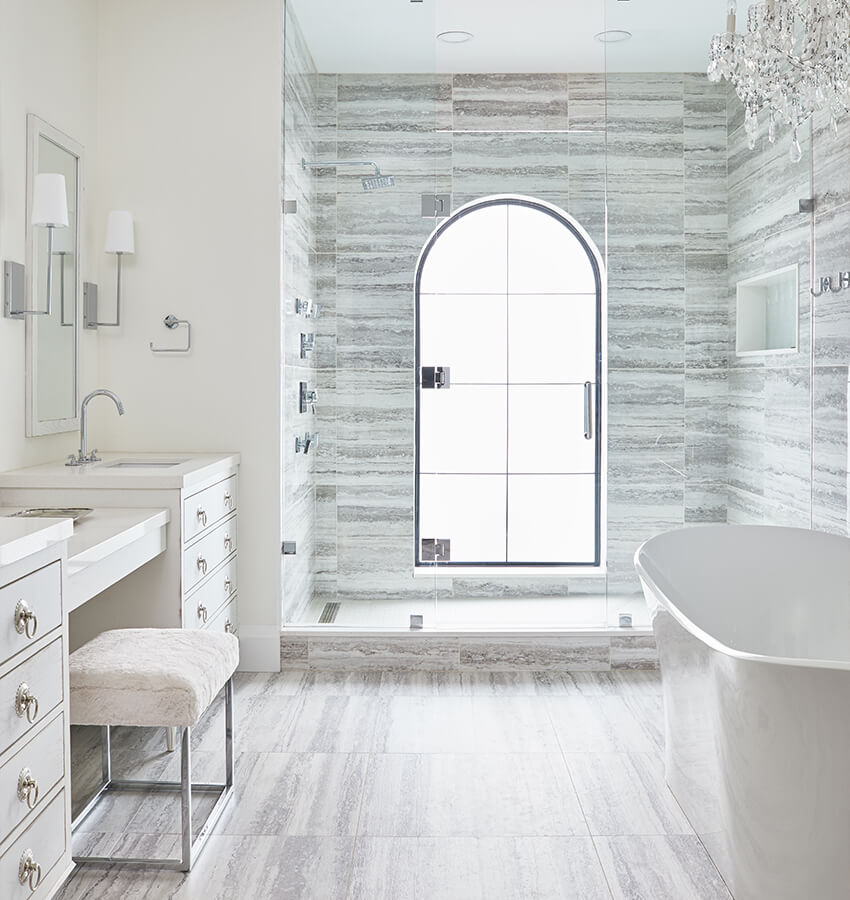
[
  {"x": 296, "y": 794},
  {"x": 625, "y": 794},
  {"x": 599, "y": 724},
  {"x": 663, "y": 868},
  {"x": 510, "y": 102},
  {"x": 829, "y": 449},
  {"x": 394, "y": 103},
  {"x": 513, "y": 654},
  {"x": 586, "y": 101},
  {"x": 646, "y": 328},
  {"x": 327, "y": 724}
]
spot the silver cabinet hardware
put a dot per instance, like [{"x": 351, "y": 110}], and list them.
[
  {"x": 308, "y": 342},
  {"x": 588, "y": 410},
  {"x": 26, "y": 703},
  {"x": 436, "y": 377},
  {"x": 202, "y": 613},
  {"x": 29, "y": 870},
  {"x": 27, "y": 788},
  {"x": 202, "y": 565},
  {"x": 171, "y": 322},
  {"x": 202, "y": 516},
  {"x": 228, "y": 543},
  {"x": 228, "y": 627},
  {"x": 228, "y": 586},
  {"x": 26, "y": 621},
  {"x": 228, "y": 501}
]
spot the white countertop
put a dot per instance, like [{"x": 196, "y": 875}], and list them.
[
  {"x": 191, "y": 469},
  {"x": 22, "y": 537},
  {"x": 106, "y": 531}
]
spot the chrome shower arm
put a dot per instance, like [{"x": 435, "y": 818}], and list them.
[{"x": 335, "y": 163}]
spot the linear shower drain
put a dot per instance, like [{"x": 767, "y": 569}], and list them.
[{"x": 329, "y": 613}]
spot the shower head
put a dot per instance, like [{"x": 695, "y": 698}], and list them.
[
  {"x": 372, "y": 183},
  {"x": 376, "y": 182}
]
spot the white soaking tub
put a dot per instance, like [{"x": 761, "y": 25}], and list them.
[{"x": 753, "y": 631}]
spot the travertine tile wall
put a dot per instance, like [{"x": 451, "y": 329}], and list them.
[
  {"x": 788, "y": 413},
  {"x": 299, "y": 280},
  {"x": 543, "y": 135}
]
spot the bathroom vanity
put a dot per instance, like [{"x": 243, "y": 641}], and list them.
[{"x": 190, "y": 580}]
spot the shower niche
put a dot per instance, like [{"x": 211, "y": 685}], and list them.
[{"x": 767, "y": 318}]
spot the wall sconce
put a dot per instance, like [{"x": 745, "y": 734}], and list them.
[
  {"x": 49, "y": 210},
  {"x": 119, "y": 240}
]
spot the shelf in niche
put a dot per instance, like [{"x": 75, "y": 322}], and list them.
[{"x": 767, "y": 320}]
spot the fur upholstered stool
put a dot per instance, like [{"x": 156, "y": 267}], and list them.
[{"x": 153, "y": 677}]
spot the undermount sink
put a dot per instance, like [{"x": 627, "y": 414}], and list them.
[{"x": 144, "y": 463}]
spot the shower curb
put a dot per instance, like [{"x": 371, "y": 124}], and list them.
[{"x": 584, "y": 652}]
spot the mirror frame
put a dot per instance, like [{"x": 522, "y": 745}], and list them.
[{"x": 36, "y": 427}]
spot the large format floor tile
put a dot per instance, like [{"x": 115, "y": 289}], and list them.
[{"x": 389, "y": 785}]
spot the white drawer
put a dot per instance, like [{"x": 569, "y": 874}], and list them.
[
  {"x": 225, "y": 621},
  {"x": 42, "y": 673},
  {"x": 205, "y": 508},
  {"x": 42, "y": 593},
  {"x": 46, "y": 839},
  {"x": 44, "y": 756},
  {"x": 208, "y": 553},
  {"x": 205, "y": 602}
]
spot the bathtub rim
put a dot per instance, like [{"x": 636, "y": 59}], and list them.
[{"x": 655, "y": 580}]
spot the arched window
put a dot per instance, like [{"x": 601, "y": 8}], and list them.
[{"x": 509, "y": 362}]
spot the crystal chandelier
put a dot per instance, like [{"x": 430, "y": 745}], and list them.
[{"x": 793, "y": 60}]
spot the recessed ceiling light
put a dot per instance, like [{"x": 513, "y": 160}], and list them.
[
  {"x": 614, "y": 36},
  {"x": 455, "y": 37}
]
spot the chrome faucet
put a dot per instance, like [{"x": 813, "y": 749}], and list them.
[{"x": 84, "y": 457}]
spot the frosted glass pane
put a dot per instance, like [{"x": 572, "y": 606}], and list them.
[
  {"x": 469, "y": 510},
  {"x": 470, "y": 257},
  {"x": 551, "y": 518},
  {"x": 544, "y": 257},
  {"x": 546, "y": 430},
  {"x": 552, "y": 339},
  {"x": 462, "y": 429},
  {"x": 467, "y": 333}
]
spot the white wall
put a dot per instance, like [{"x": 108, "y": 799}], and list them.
[
  {"x": 189, "y": 138},
  {"x": 48, "y": 66}
]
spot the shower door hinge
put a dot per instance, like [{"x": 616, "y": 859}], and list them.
[
  {"x": 436, "y": 206},
  {"x": 288, "y": 548},
  {"x": 436, "y": 550},
  {"x": 435, "y": 377}
]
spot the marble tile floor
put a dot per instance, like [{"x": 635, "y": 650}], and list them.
[
  {"x": 396, "y": 784},
  {"x": 573, "y": 611}
]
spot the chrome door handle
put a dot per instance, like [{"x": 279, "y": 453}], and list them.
[
  {"x": 26, "y": 703},
  {"x": 202, "y": 613},
  {"x": 202, "y": 565},
  {"x": 202, "y": 516},
  {"x": 588, "y": 410},
  {"x": 228, "y": 501},
  {"x": 26, "y": 621}
]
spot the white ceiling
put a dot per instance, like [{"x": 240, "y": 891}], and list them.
[{"x": 510, "y": 35}]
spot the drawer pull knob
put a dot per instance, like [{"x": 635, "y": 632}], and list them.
[
  {"x": 202, "y": 516},
  {"x": 202, "y": 565},
  {"x": 202, "y": 613},
  {"x": 228, "y": 627},
  {"x": 27, "y": 788},
  {"x": 228, "y": 586},
  {"x": 26, "y": 703},
  {"x": 228, "y": 501},
  {"x": 29, "y": 870},
  {"x": 26, "y": 621},
  {"x": 228, "y": 543}
]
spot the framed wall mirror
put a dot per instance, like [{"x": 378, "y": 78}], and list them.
[{"x": 52, "y": 340}]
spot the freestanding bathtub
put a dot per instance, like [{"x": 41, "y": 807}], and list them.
[{"x": 753, "y": 631}]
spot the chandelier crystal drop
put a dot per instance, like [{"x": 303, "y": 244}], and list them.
[{"x": 793, "y": 60}]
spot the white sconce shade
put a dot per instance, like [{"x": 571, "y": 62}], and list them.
[
  {"x": 119, "y": 233},
  {"x": 49, "y": 201},
  {"x": 63, "y": 241}
]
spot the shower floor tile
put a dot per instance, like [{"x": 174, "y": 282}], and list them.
[{"x": 399, "y": 785}]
